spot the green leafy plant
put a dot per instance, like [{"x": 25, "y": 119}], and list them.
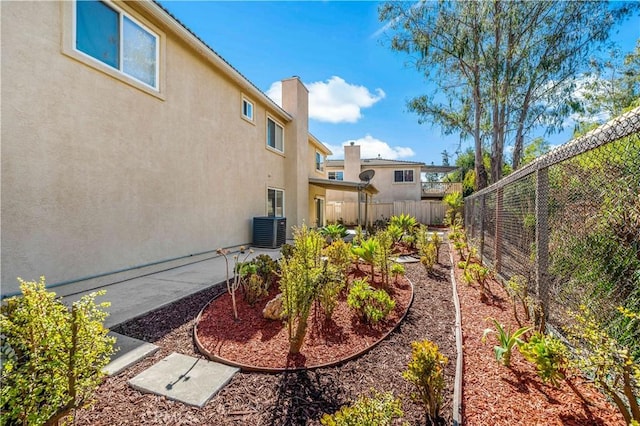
[
  {"x": 286, "y": 250},
  {"x": 383, "y": 256},
  {"x": 518, "y": 290},
  {"x": 330, "y": 285},
  {"x": 454, "y": 202},
  {"x": 507, "y": 340},
  {"x": 367, "y": 252},
  {"x": 300, "y": 279},
  {"x": 405, "y": 222},
  {"x": 267, "y": 268},
  {"x": 476, "y": 273},
  {"x": 610, "y": 364},
  {"x": 334, "y": 231},
  {"x": 548, "y": 354},
  {"x": 339, "y": 255},
  {"x": 375, "y": 410},
  {"x": 397, "y": 269},
  {"x": 53, "y": 356},
  {"x": 395, "y": 231},
  {"x": 372, "y": 305},
  {"x": 234, "y": 282},
  {"x": 437, "y": 243},
  {"x": 254, "y": 288},
  {"x": 426, "y": 372},
  {"x": 427, "y": 250}
]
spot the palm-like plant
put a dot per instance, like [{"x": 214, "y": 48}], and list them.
[
  {"x": 334, "y": 231},
  {"x": 367, "y": 252},
  {"x": 405, "y": 222}
]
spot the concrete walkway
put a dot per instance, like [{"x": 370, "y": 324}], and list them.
[
  {"x": 138, "y": 296},
  {"x": 179, "y": 377}
]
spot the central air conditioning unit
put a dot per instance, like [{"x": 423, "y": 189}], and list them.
[{"x": 269, "y": 231}]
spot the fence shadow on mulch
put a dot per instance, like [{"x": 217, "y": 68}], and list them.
[{"x": 303, "y": 396}]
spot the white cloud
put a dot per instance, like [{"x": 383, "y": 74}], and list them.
[
  {"x": 333, "y": 100},
  {"x": 371, "y": 147}
]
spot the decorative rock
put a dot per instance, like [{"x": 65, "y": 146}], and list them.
[{"x": 273, "y": 309}]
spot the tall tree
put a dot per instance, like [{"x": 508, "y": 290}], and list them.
[{"x": 499, "y": 68}]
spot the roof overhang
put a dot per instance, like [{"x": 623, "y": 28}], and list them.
[{"x": 341, "y": 185}]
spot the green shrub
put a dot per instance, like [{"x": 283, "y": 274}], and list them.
[
  {"x": 300, "y": 280},
  {"x": 397, "y": 269},
  {"x": 53, "y": 356},
  {"x": 610, "y": 364},
  {"x": 395, "y": 231},
  {"x": 376, "y": 410},
  {"x": 334, "y": 231},
  {"x": 426, "y": 372},
  {"x": 330, "y": 286},
  {"x": 267, "y": 268},
  {"x": 372, "y": 305},
  {"x": 548, "y": 354},
  {"x": 367, "y": 251},
  {"x": 254, "y": 288},
  {"x": 479, "y": 274},
  {"x": 339, "y": 255},
  {"x": 405, "y": 222},
  {"x": 383, "y": 256}
]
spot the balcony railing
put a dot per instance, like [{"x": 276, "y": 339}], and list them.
[{"x": 439, "y": 189}]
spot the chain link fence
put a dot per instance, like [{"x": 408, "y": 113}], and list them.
[{"x": 569, "y": 223}]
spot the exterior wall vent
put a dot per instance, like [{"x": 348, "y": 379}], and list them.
[{"x": 269, "y": 232}]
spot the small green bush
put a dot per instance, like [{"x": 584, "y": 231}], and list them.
[
  {"x": 548, "y": 354},
  {"x": 397, "y": 269},
  {"x": 376, "y": 410},
  {"x": 339, "y": 255},
  {"x": 254, "y": 288},
  {"x": 372, "y": 305},
  {"x": 53, "y": 356},
  {"x": 426, "y": 372}
]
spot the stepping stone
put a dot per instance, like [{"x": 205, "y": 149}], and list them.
[
  {"x": 129, "y": 351},
  {"x": 406, "y": 259},
  {"x": 183, "y": 378}
]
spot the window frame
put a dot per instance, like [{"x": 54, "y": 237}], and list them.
[
  {"x": 278, "y": 124},
  {"x": 404, "y": 174},
  {"x": 69, "y": 39},
  {"x": 247, "y": 101},
  {"x": 282, "y": 197},
  {"x": 320, "y": 161},
  {"x": 335, "y": 175}
]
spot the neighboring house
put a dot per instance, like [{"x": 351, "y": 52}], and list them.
[
  {"x": 129, "y": 145},
  {"x": 399, "y": 184}
]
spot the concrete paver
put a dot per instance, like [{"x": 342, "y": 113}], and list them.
[
  {"x": 129, "y": 351},
  {"x": 183, "y": 378}
]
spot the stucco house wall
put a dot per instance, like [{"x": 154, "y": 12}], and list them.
[{"x": 100, "y": 174}]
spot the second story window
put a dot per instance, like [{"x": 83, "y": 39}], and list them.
[
  {"x": 275, "y": 135},
  {"x": 400, "y": 176},
  {"x": 336, "y": 175},
  {"x": 319, "y": 162},
  {"x": 247, "y": 109},
  {"x": 116, "y": 39}
]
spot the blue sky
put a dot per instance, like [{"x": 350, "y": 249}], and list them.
[{"x": 358, "y": 86}]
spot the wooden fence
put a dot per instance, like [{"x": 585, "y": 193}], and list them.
[{"x": 425, "y": 211}]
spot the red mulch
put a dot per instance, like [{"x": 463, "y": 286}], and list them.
[
  {"x": 259, "y": 343},
  {"x": 496, "y": 395},
  {"x": 492, "y": 394}
]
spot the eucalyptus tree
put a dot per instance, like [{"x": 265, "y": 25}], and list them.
[{"x": 499, "y": 68}]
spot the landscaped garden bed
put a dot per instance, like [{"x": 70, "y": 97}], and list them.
[
  {"x": 499, "y": 386},
  {"x": 290, "y": 398}
]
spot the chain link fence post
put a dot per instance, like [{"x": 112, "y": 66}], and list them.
[{"x": 542, "y": 238}]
